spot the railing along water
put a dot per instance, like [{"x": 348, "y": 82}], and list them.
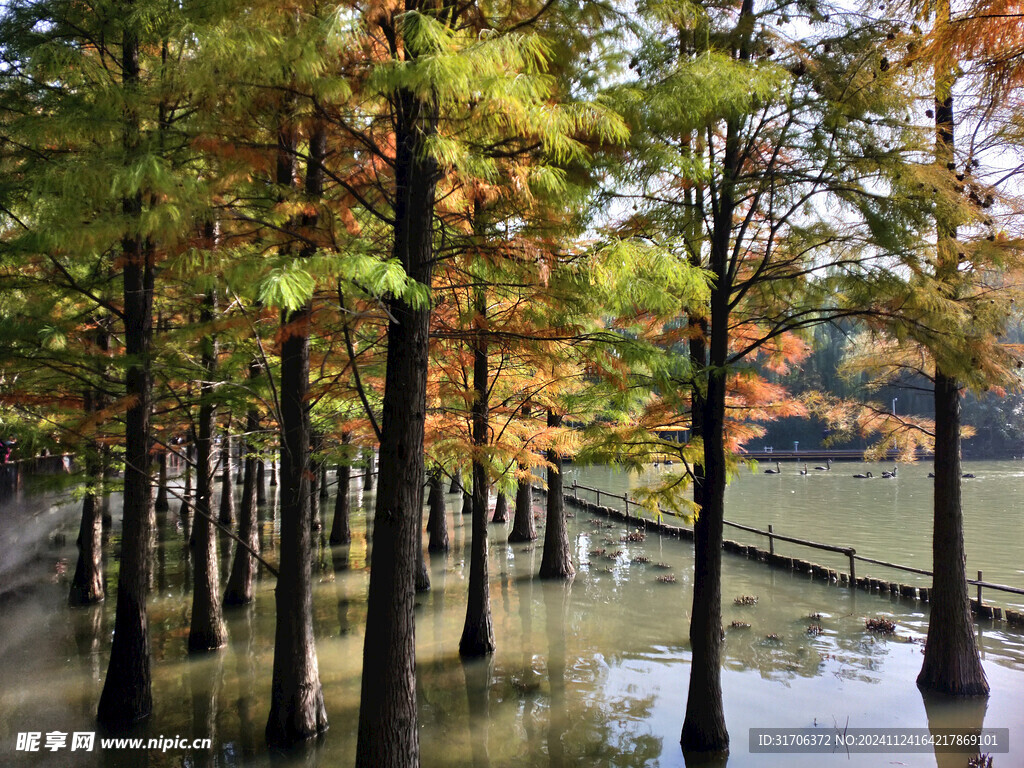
[{"x": 848, "y": 551}]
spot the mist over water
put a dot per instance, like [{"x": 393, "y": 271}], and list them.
[{"x": 590, "y": 673}]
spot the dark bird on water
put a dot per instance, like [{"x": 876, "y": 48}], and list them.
[
  {"x": 864, "y": 476},
  {"x": 776, "y": 471}
]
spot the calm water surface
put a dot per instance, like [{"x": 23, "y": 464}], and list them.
[
  {"x": 884, "y": 519},
  {"x": 588, "y": 674}
]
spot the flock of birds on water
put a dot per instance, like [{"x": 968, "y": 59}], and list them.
[{"x": 860, "y": 475}]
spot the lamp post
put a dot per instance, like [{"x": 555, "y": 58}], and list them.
[{"x": 894, "y": 405}]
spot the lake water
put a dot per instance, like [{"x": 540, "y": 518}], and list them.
[
  {"x": 592, "y": 673},
  {"x": 884, "y": 519}
]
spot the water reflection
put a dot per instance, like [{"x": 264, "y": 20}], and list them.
[{"x": 591, "y": 674}]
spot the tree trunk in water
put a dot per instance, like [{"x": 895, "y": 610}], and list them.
[
  {"x": 951, "y": 665},
  {"x": 523, "y": 527},
  {"x": 500, "y": 509},
  {"x": 243, "y": 569},
  {"x": 206, "y": 632},
  {"x": 186, "y": 493},
  {"x": 162, "y": 504},
  {"x": 556, "y": 562},
  {"x": 127, "y": 693},
  {"x": 297, "y": 709},
  {"x": 478, "y": 630},
  {"x": 274, "y": 459},
  {"x": 704, "y": 727},
  {"x": 314, "y": 497},
  {"x": 227, "y": 495},
  {"x": 437, "y": 521},
  {"x": 341, "y": 533},
  {"x": 422, "y": 574},
  {"x": 87, "y": 584},
  {"x": 324, "y": 486},
  {"x": 467, "y": 503},
  {"x": 388, "y": 729},
  {"x": 261, "y": 483},
  {"x": 368, "y": 470},
  {"x": 455, "y": 484}
]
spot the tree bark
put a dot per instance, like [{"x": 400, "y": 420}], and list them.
[
  {"x": 297, "y": 709},
  {"x": 523, "y": 527},
  {"x": 455, "y": 485},
  {"x": 952, "y": 664},
  {"x": 161, "y": 504},
  {"x": 556, "y": 562},
  {"x": 316, "y": 524},
  {"x": 500, "y": 509},
  {"x": 87, "y": 584},
  {"x": 341, "y": 533},
  {"x": 422, "y": 574},
  {"x": 368, "y": 472},
  {"x": 261, "y": 482},
  {"x": 227, "y": 495},
  {"x": 388, "y": 731},
  {"x": 467, "y": 502},
  {"x": 243, "y": 568},
  {"x": 206, "y": 632},
  {"x": 437, "y": 521},
  {"x": 127, "y": 694},
  {"x": 478, "y": 630}
]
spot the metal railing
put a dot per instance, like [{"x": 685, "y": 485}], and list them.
[{"x": 772, "y": 536}]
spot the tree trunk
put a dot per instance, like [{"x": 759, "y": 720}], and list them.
[
  {"x": 704, "y": 728},
  {"x": 951, "y": 662},
  {"x": 523, "y": 527},
  {"x": 186, "y": 494},
  {"x": 467, "y": 502},
  {"x": 261, "y": 482},
  {"x": 341, "y": 533},
  {"x": 422, "y": 574},
  {"x": 227, "y": 495},
  {"x": 437, "y": 521},
  {"x": 297, "y": 709},
  {"x": 500, "y": 509},
  {"x": 243, "y": 569},
  {"x": 87, "y": 584},
  {"x": 556, "y": 562},
  {"x": 207, "y": 631},
  {"x": 127, "y": 694},
  {"x": 455, "y": 484},
  {"x": 388, "y": 730},
  {"x": 274, "y": 459},
  {"x": 316, "y": 524},
  {"x": 161, "y": 504},
  {"x": 478, "y": 630},
  {"x": 368, "y": 471}
]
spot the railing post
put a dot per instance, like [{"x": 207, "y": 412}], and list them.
[
  {"x": 771, "y": 540},
  {"x": 979, "y": 589},
  {"x": 575, "y": 493},
  {"x": 598, "y": 497},
  {"x": 625, "y": 498},
  {"x": 853, "y": 567}
]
